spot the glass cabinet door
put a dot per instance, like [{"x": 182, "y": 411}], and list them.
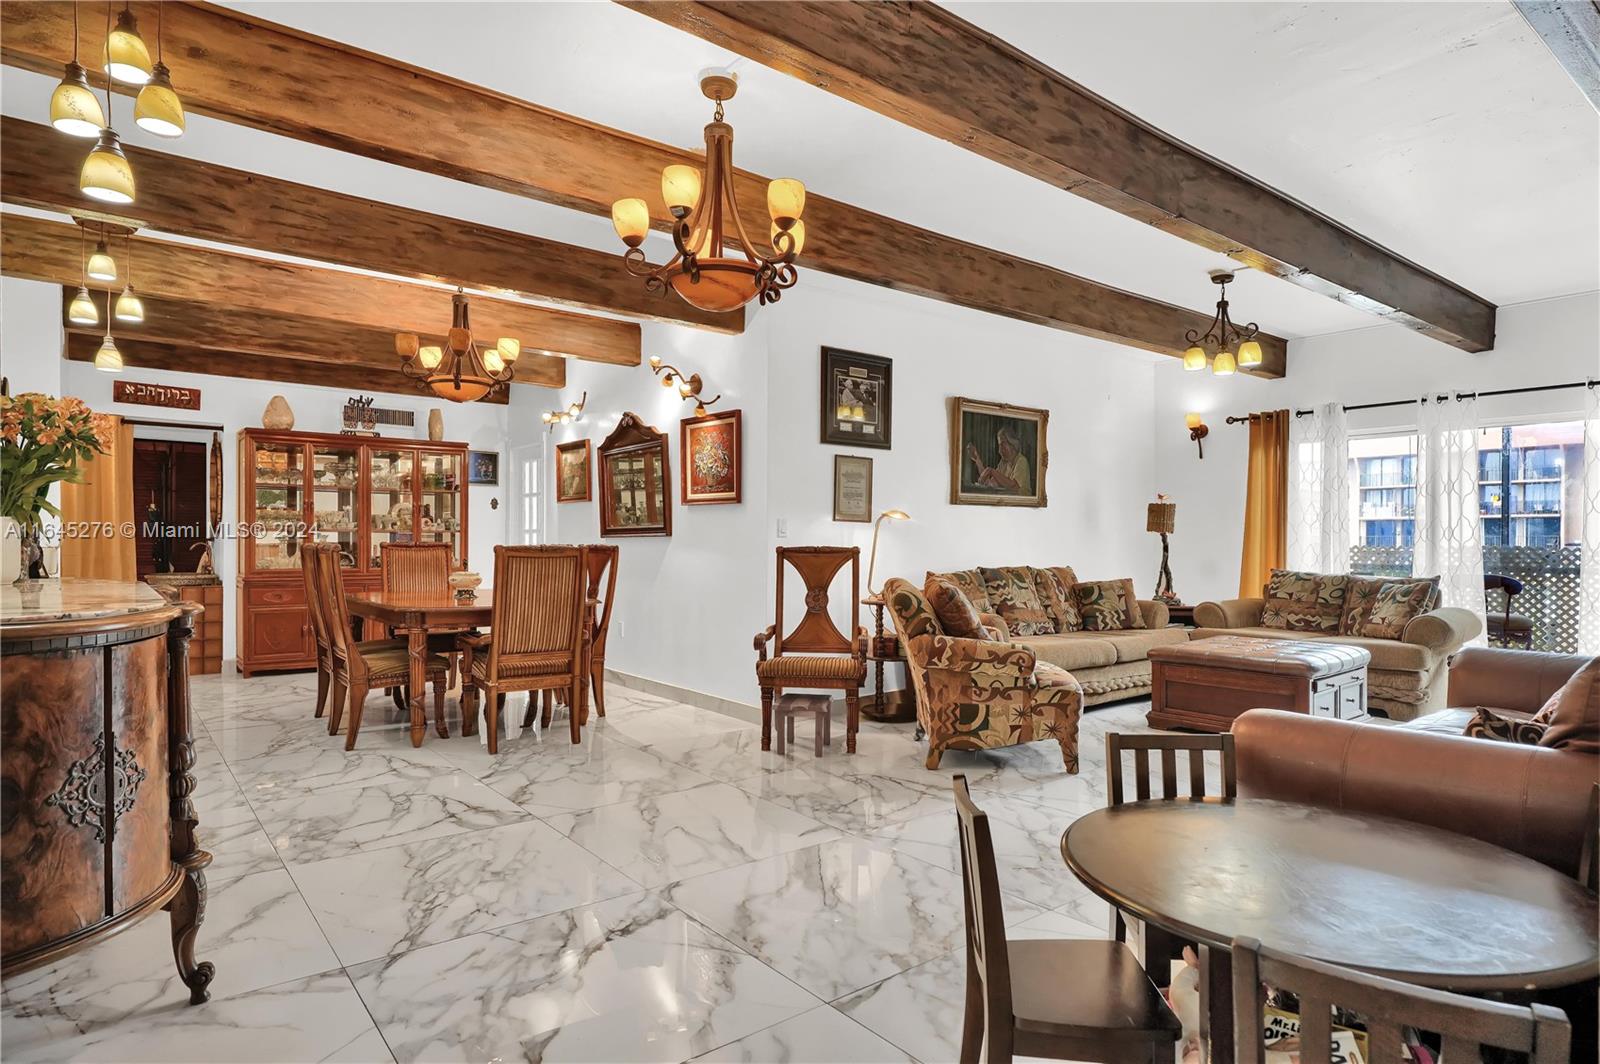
[
  {"x": 335, "y": 499},
  {"x": 279, "y": 506},
  {"x": 439, "y": 512},
  {"x": 392, "y": 499}
]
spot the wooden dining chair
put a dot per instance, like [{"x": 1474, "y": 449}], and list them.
[
  {"x": 815, "y": 655},
  {"x": 1387, "y": 1006},
  {"x": 423, "y": 568},
  {"x": 1168, "y": 745},
  {"x": 319, "y": 631},
  {"x": 602, "y": 564},
  {"x": 1505, "y": 627},
  {"x": 537, "y": 638},
  {"x": 1065, "y": 999},
  {"x": 359, "y": 667}
]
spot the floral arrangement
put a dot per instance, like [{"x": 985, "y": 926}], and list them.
[{"x": 42, "y": 441}]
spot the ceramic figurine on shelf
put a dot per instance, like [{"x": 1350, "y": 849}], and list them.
[{"x": 205, "y": 564}]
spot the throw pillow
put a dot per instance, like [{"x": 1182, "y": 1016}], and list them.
[
  {"x": 1108, "y": 605},
  {"x": 1055, "y": 591},
  {"x": 1573, "y": 712},
  {"x": 970, "y": 581},
  {"x": 1398, "y": 601},
  {"x": 1487, "y": 724},
  {"x": 1360, "y": 593},
  {"x": 956, "y": 613},
  {"x": 1012, "y": 596},
  {"x": 1304, "y": 602}
]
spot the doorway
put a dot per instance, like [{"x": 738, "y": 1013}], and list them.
[{"x": 169, "y": 505}]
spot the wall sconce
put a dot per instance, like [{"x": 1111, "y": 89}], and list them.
[
  {"x": 1197, "y": 431},
  {"x": 552, "y": 418},
  {"x": 688, "y": 387}
]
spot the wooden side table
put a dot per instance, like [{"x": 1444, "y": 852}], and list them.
[
  {"x": 1180, "y": 616},
  {"x": 882, "y": 650}
]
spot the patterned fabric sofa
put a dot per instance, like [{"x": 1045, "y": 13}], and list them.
[
  {"x": 1108, "y": 664},
  {"x": 1397, "y": 620},
  {"x": 978, "y": 694}
]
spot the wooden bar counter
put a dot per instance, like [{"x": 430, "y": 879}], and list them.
[{"x": 97, "y": 826}]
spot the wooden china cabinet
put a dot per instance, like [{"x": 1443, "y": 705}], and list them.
[{"x": 356, "y": 491}]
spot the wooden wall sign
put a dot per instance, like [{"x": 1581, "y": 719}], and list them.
[
  {"x": 362, "y": 418},
  {"x": 167, "y": 395}
]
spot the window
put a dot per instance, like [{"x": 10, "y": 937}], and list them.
[
  {"x": 1385, "y": 502},
  {"x": 525, "y": 461}
]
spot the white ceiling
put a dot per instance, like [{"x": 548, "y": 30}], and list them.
[{"x": 1445, "y": 131}]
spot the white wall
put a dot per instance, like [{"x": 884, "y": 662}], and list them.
[
  {"x": 30, "y": 335},
  {"x": 1550, "y": 342}
]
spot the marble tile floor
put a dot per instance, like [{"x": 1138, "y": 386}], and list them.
[{"x": 662, "y": 892}]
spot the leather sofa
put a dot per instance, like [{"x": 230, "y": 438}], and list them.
[
  {"x": 1406, "y": 678},
  {"x": 1534, "y": 800}
]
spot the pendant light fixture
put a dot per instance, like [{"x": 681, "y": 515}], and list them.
[
  {"x": 130, "y": 308},
  {"x": 127, "y": 58},
  {"x": 158, "y": 109},
  {"x": 82, "y": 311},
  {"x": 108, "y": 358},
  {"x": 1224, "y": 337},
  {"x": 73, "y": 107},
  {"x": 717, "y": 267},
  {"x": 102, "y": 267},
  {"x": 472, "y": 369},
  {"x": 106, "y": 175}
]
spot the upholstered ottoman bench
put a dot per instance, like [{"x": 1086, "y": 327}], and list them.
[{"x": 1205, "y": 683}]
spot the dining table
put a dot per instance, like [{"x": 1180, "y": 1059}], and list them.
[
  {"x": 414, "y": 615},
  {"x": 1377, "y": 894}
]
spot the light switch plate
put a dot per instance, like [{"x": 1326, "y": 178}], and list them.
[{"x": 783, "y": 527}]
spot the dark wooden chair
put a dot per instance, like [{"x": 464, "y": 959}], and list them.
[
  {"x": 423, "y": 567},
  {"x": 360, "y": 667},
  {"x": 1386, "y": 1005},
  {"x": 1168, "y": 745},
  {"x": 1505, "y": 627},
  {"x": 1065, "y": 999},
  {"x": 602, "y": 563},
  {"x": 809, "y": 658},
  {"x": 537, "y": 639},
  {"x": 319, "y": 632}
]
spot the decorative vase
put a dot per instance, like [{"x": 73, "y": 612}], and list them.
[
  {"x": 435, "y": 424},
  {"x": 277, "y": 416},
  {"x": 10, "y": 550}
]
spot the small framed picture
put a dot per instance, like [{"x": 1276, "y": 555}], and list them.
[
  {"x": 857, "y": 398},
  {"x": 998, "y": 455},
  {"x": 852, "y": 488},
  {"x": 483, "y": 467},
  {"x": 573, "y": 477},
  {"x": 710, "y": 454}
]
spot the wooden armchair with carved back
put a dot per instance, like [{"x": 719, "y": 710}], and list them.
[
  {"x": 815, "y": 655},
  {"x": 423, "y": 568}
]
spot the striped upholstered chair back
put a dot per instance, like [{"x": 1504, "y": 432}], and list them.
[
  {"x": 415, "y": 566},
  {"x": 330, "y": 593},
  {"x": 313, "y": 581},
  {"x": 538, "y": 620}
]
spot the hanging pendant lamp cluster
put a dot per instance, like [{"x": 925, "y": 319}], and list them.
[
  {"x": 462, "y": 370},
  {"x": 100, "y": 267},
  {"x": 717, "y": 266},
  {"x": 106, "y": 175},
  {"x": 1231, "y": 348}
]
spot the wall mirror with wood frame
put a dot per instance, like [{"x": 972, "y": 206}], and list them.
[{"x": 634, "y": 479}]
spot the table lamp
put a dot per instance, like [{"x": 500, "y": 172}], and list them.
[
  {"x": 893, "y": 515},
  {"x": 1161, "y": 517}
]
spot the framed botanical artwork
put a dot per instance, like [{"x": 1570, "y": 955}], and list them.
[
  {"x": 712, "y": 458},
  {"x": 483, "y": 467},
  {"x": 572, "y": 472},
  {"x": 852, "y": 488},
  {"x": 635, "y": 491},
  {"x": 857, "y": 398},
  {"x": 997, "y": 453}
]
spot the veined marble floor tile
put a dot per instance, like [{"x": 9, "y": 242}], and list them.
[
  {"x": 895, "y": 754},
  {"x": 397, "y": 899},
  {"x": 834, "y": 917},
  {"x": 327, "y": 824},
  {"x": 238, "y": 844},
  {"x": 317, "y": 1018},
  {"x": 672, "y": 836},
  {"x": 731, "y": 755},
  {"x": 648, "y": 725},
  {"x": 627, "y": 980},
  {"x": 303, "y": 767},
  {"x": 852, "y": 803},
  {"x": 823, "y": 1034},
  {"x": 919, "y": 1010}
]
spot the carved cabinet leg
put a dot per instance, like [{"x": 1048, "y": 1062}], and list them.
[
  {"x": 189, "y": 906},
  {"x": 188, "y": 912}
]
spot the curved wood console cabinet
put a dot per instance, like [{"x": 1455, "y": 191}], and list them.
[{"x": 97, "y": 829}]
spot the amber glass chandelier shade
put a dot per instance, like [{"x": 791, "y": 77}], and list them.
[
  {"x": 469, "y": 390},
  {"x": 108, "y": 358},
  {"x": 786, "y": 198},
  {"x": 680, "y": 186},
  {"x": 406, "y": 345},
  {"x": 1192, "y": 420},
  {"x": 1194, "y": 358},
  {"x": 102, "y": 267},
  {"x": 631, "y": 219},
  {"x": 492, "y": 360},
  {"x": 127, "y": 57},
  {"x": 82, "y": 311},
  {"x": 158, "y": 109},
  {"x": 510, "y": 348},
  {"x": 1223, "y": 365},
  {"x": 797, "y": 231},
  {"x": 106, "y": 175},
  {"x": 430, "y": 356},
  {"x": 130, "y": 308},
  {"x": 1249, "y": 353},
  {"x": 74, "y": 110},
  {"x": 724, "y": 285}
]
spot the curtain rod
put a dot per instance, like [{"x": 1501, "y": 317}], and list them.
[
  {"x": 1590, "y": 383},
  {"x": 158, "y": 424}
]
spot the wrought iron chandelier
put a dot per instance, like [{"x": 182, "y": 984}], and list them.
[
  {"x": 462, "y": 370},
  {"x": 1234, "y": 348},
  {"x": 717, "y": 266}
]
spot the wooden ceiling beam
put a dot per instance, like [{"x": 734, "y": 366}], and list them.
[
  {"x": 270, "y": 77},
  {"x": 220, "y": 362},
  {"x": 921, "y": 65},
  {"x": 209, "y": 202},
  {"x": 42, "y": 250},
  {"x": 278, "y": 336}
]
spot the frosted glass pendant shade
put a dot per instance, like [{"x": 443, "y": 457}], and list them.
[
  {"x": 127, "y": 58},
  {"x": 82, "y": 311},
  {"x": 786, "y": 198},
  {"x": 1223, "y": 365},
  {"x": 108, "y": 358},
  {"x": 631, "y": 218},
  {"x": 430, "y": 356},
  {"x": 158, "y": 109},
  {"x": 510, "y": 348},
  {"x": 1194, "y": 358},
  {"x": 102, "y": 267},
  {"x": 1249, "y": 353},
  {"x": 106, "y": 175},
  {"x": 130, "y": 307},
  {"x": 74, "y": 110},
  {"x": 680, "y": 186},
  {"x": 492, "y": 360}
]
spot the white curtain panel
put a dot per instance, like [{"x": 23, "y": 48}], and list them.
[
  {"x": 1449, "y": 529},
  {"x": 1589, "y": 560},
  {"x": 1319, "y": 491}
]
